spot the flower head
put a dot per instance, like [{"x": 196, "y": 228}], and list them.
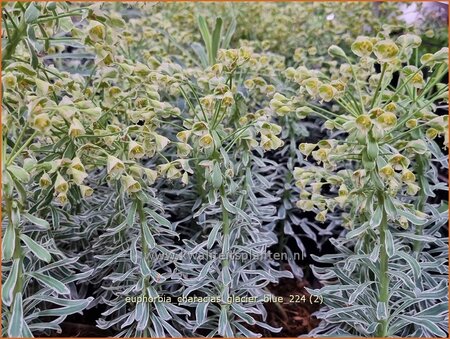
[
  {"x": 42, "y": 122},
  {"x": 386, "y": 50},
  {"x": 114, "y": 166},
  {"x": 135, "y": 150},
  {"x": 130, "y": 184},
  {"x": 362, "y": 46},
  {"x": 61, "y": 185},
  {"x": 76, "y": 128}
]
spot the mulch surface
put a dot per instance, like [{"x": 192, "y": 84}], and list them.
[{"x": 294, "y": 313}]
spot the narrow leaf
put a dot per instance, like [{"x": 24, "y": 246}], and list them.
[
  {"x": 212, "y": 238},
  {"x": 9, "y": 242},
  {"x": 16, "y": 322},
  {"x": 389, "y": 243},
  {"x": 37, "y": 249},
  {"x": 31, "y": 13},
  {"x": 36, "y": 221},
  {"x": 51, "y": 282},
  {"x": 10, "y": 283}
]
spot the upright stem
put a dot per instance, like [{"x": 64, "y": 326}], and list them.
[
  {"x": 420, "y": 170},
  {"x": 225, "y": 228},
  {"x": 16, "y": 38},
  {"x": 144, "y": 250},
  {"x": 384, "y": 266},
  {"x": 226, "y": 221},
  {"x": 17, "y": 254},
  {"x": 374, "y": 99}
]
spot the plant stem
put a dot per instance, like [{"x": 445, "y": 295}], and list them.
[
  {"x": 420, "y": 170},
  {"x": 144, "y": 250},
  {"x": 17, "y": 254},
  {"x": 378, "y": 86},
  {"x": 13, "y": 156},
  {"x": 225, "y": 228},
  {"x": 358, "y": 88},
  {"x": 12, "y": 44},
  {"x": 226, "y": 219},
  {"x": 384, "y": 263}
]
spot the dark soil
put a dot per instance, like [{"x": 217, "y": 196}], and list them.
[{"x": 294, "y": 313}]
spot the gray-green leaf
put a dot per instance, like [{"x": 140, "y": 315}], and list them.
[
  {"x": 51, "y": 282},
  {"x": 36, "y": 248},
  {"x": 10, "y": 283},
  {"x": 16, "y": 322},
  {"x": 31, "y": 13},
  {"x": 37, "y": 221},
  {"x": 9, "y": 242}
]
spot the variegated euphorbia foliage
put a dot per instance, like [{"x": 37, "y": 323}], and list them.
[
  {"x": 146, "y": 154},
  {"x": 377, "y": 171}
]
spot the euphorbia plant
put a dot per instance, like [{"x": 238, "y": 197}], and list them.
[
  {"x": 376, "y": 174},
  {"x": 226, "y": 144},
  {"x": 72, "y": 167},
  {"x": 139, "y": 164}
]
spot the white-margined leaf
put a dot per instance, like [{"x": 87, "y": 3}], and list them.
[{"x": 38, "y": 250}]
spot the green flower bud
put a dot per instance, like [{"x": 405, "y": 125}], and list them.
[
  {"x": 409, "y": 41},
  {"x": 417, "y": 146},
  {"x": 426, "y": 58},
  {"x": 441, "y": 55},
  {"x": 336, "y": 51},
  {"x": 283, "y": 110}
]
